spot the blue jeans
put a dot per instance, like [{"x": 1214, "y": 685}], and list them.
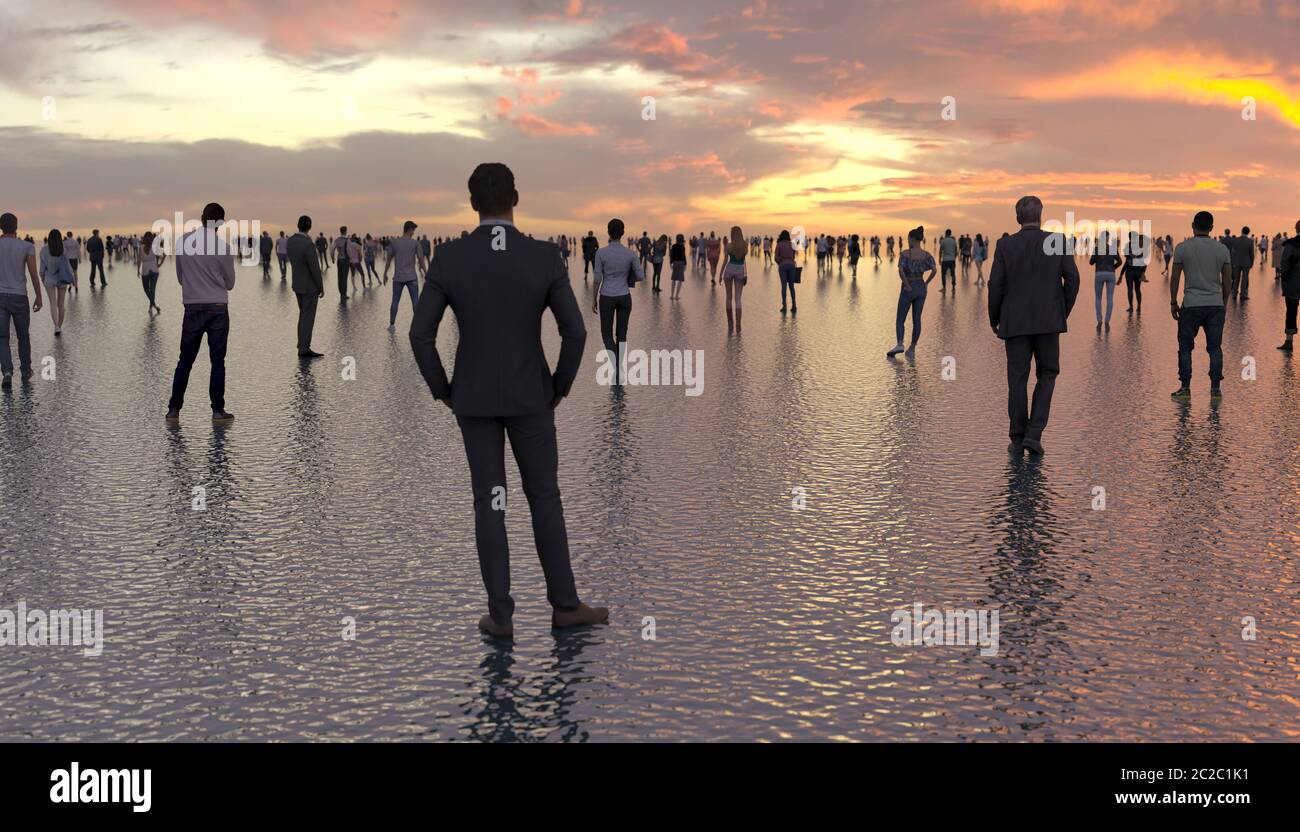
[
  {"x": 913, "y": 299},
  {"x": 14, "y": 308},
  {"x": 397, "y": 298},
  {"x": 786, "y": 270},
  {"x": 1106, "y": 281},
  {"x": 214, "y": 320},
  {"x": 1190, "y": 320}
]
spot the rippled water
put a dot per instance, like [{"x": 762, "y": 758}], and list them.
[{"x": 330, "y": 498}]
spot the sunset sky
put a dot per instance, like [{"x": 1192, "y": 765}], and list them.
[{"x": 769, "y": 114}]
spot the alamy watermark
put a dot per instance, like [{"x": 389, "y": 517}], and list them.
[
  {"x": 915, "y": 626},
  {"x": 23, "y": 627},
  {"x": 654, "y": 368},
  {"x": 238, "y": 237},
  {"x": 1115, "y": 235}
]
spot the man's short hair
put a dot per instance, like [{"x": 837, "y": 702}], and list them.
[
  {"x": 1029, "y": 209},
  {"x": 343, "y": 229},
  {"x": 1203, "y": 221},
  {"x": 8, "y": 223},
  {"x": 213, "y": 211},
  {"x": 492, "y": 188},
  {"x": 1245, "y": 229},
  {"x": 304, "y": 223},
  {"x": 615, "y": 228},
  {"x": 409, "y": 226}
]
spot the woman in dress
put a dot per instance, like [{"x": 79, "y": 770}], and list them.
[
  {"x": 677, "y": 258},
  {"x": 979, "y": 253}
]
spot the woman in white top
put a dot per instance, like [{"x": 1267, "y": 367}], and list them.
[{"x": 150, "y": 263}]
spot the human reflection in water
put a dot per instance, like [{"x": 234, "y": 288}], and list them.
[
  {"x": 514, "y": 707},
  {"x": 1025, "y": 587},
  {"x": 1193, "y": 484},
  {"x": 614, "y": 458}
]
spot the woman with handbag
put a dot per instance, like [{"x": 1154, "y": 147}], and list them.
[
  {"x": 56, "y": 274},
  {"x": 618, "y": 269},
  {"x": 734, "y": 277},
  {"x": 788, "y": 271}
]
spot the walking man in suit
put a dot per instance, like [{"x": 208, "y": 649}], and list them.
[
  {"x": 308, "y": 283},
  {"x": 1032, "y": 289},
  {"x": 498, "y": 282}
]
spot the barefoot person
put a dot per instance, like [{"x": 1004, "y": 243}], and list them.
[
  {"x": 1032, "y": 288},
  {"x": 504, "y": 387}
]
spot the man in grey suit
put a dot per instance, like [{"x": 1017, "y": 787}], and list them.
[
  {"x": 498, "y": 283},
  {"x": 307, "y": 283},
  {"x": 1032, "y": 289}
]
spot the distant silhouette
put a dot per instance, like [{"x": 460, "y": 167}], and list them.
[{"x": 1032, "y": 288}]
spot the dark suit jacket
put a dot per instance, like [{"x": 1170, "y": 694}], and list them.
[
  {"x": 1031, "y": 291},
  {"x": 305, "y": 262},
  {"x": 498, "y": 298},
  {"x": 1289, "y": 264},
  {"x": 1242, "y": 251}
]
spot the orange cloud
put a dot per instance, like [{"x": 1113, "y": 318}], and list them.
[{"x": 1186, "y": 77}]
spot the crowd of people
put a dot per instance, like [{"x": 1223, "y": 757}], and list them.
[{"x": 498, "y": 281}]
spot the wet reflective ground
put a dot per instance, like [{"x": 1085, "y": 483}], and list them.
[{"x": 330, "y": 498}]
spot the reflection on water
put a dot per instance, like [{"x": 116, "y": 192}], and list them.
[{"x": 762, "y": 532}]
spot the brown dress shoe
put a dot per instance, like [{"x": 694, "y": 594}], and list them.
[
  {"x": 487, "y": 625},
  {"x": 583, "y": 615}
]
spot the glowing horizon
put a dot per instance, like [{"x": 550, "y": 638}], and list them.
[{"x": 370, "y": 112}]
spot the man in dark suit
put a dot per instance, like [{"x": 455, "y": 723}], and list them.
[
  {"x": 498, "y": 282},
  {"x": 307, "y": 283},
  {"x": 1032, "y": 289}
]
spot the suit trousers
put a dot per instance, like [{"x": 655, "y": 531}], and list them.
[
  {"x": 1240, "y": 281},
  {"x": 306, "y": 319},
  {"x": 532, "y": 439},
  {"x": 343, "y": 277},
  {"x": 1045, "y": 350}
]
